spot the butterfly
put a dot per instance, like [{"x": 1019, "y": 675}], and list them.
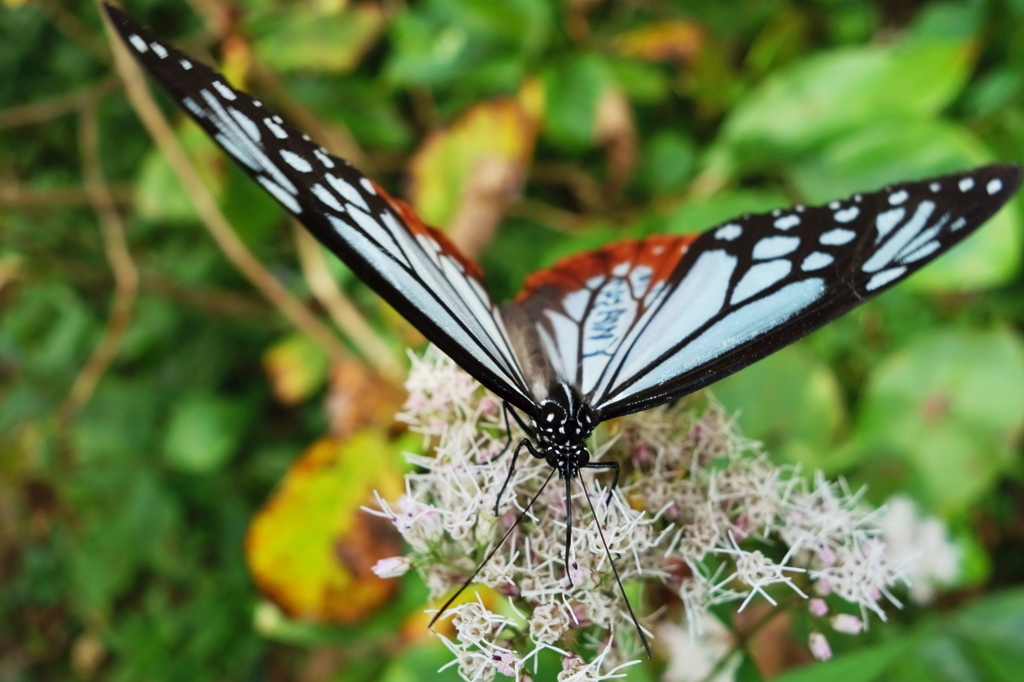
[{"x": 602, "y": 334}]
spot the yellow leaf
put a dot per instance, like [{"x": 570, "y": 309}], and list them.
[
  {"x": 296, "y": 368},
  {"x": 311, "y": 548},
  {"x": 450, "y": 158},
  {"x": 357, "y": 397},
  {"x": 666, "y": 41}
]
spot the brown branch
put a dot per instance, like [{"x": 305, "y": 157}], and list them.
[
  {"x": 75, "y": 29},
  {"x": 210, "y": 214},
  {"x": 19, "y": 198},
  {"x": 54, "y": 107},
  {"x": 126, "y": 277}
]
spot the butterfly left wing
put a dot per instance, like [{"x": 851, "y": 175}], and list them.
[
  {"x": 636, "y": 324},
  {"x": 411, "y": 266}
]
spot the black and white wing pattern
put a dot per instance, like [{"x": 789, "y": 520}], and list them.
[
  {"x": 411, "y": 266},
  {"x": 638, "y": 323}
]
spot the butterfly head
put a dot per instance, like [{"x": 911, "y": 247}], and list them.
[{"x": 564, "y": 423}]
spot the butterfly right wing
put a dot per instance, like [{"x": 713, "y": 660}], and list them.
[
  {"x": 639, "y": 323},
  {"x": 411, "y": 266}
]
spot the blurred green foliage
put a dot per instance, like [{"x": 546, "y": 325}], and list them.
[{"x": 122, "y": 521}]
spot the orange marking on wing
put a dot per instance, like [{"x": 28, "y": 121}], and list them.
[
  {"x": 661, "y": 253},
  {"x": 416, "y": 225}
]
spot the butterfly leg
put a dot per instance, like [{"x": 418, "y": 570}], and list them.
[
  {"x": 508, "y": 409},
  {"x": 512, "y": 468}
]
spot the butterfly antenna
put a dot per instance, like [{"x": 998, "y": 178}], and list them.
[
  {"x": 618, "y": 581},
  {"x": 469, "y": 580}
]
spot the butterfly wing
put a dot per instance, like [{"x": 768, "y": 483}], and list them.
[
  {"x": 411, "y": 266},
  {"x": 639, "y": 323}
]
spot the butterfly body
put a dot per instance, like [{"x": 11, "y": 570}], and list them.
[{"x": 563, "y": 425}]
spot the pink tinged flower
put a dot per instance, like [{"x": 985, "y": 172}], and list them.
[
  {"x": 506, "y": 663},
  {"x": 392, "y": 567},
  {"x": 827, "y": 556},
  {"x": 572, "y": 662},
  {"x": 489, "y": 406},
  {"x": 847, "y": 624},
  {"x": 817, "y": 607},
  {"x": 577, "y": 573},
  {"x": 819, "y": 646}
]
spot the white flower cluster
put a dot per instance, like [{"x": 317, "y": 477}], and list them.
[{"x": 699, "y": 514}]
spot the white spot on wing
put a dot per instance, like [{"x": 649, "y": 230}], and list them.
[
  {"x": 774, "y": 247},
  {"x": 787, "y": 222},
  {"x": 159, "y": 50},
  {"x": 224, "y": 91},
  {"x": 890, "y": 219},
  {"x": 758, "y": 278},
  {"x": 935, "y": 187},
  {"x": 729, "y": 232},
  {"x": 138, "y": 43},
  {"x": 880, "y": 279},
  {"x": 575, "y": 304},
  {"x": 185, "y": 64},
  {"x": 888, "y": 251},
  {"x": 897, "y": 198},
  {"x": 347, "y": 191},
  {"x": 924, "y": 236},
  {"x": 381, "y": 238},
  {"x": 248, "y": 126},
  {"x": 846, "y": 215},
  {"x": 296, "y": 161},
  {"x": 367, "y": 185},
  {"x": 994, "y": 185},
  {"x": 323, "y": 158},
  {"x": 327, "y": 197},
  {"x": 837, "y": 237},
  {"x": 816, "y": 261},
  {"x": 923, "y": 252},
  {"x": 275, "y": 128},
  {"x": 240, "y": 154},
  {"x": 191, "y": 105},
  {"x": 966, "y": 184},
  {"x": 284, "y": 197}
]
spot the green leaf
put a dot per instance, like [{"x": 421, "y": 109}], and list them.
[
  {"x": 667, "y": 163},
  {"x": 319, "y": 40},
  {"x": 862, "y": 666},
  {"x": 642, "y": 83},
  {"x": 831, "y": 93},
  {"x": 159, "y": 195},
  {"x": 118, "y": 421},
  {"x": 421, "y": 663},
  {"x": 205, "y": 430},
  {"x": 949, "y": 408},
  {"x": 480, "y": 45},
  {"x": 790, "y": 401},
  {"x": 573, "y": 89},
  {"x": 996, "y": 622}
]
